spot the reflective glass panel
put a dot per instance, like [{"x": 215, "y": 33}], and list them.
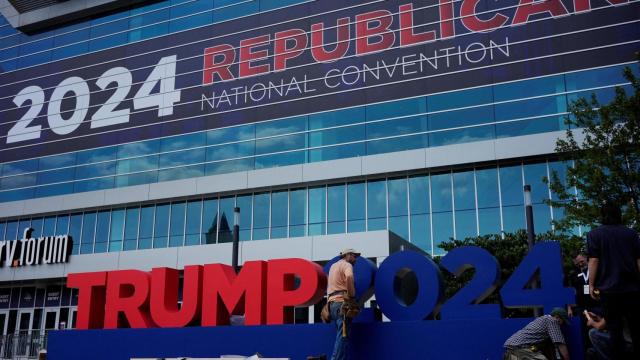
[
  {"x": 88, "y": 231},
  {"x": 489, "y": 220},
  {"x": 75, "y": 230},
  {"x": 336, "y": 209},
  {"x": 244, "y": 202},
  {"x": 161, "y": 226},
  {"x": 464, "y": 193},
  {"x": 102, "y": 231},
  {"x": 209, "y": 220},
  {"x": 146, "y": 227},
  {"x": 261, "y": 216},
  {"x": 441, "y": 192},
  {"x": 465, "y": 224},
  {"x": 131, "y": 229},
  {"x": 192, "y": 228},
  {"x": 317, "y": 210},
  {"x": 226, "y": 219},
  {"x": 116, "y": 231},
  {"x": 297, "y": 212},
  {"x": 511, "y": 185},
  {"x": 376, "y": 205},
  {"x": 176, "y": 230},
  {"x": 356, "y": 207},
  {"x": 279, "y": 214},
  {"x": 487, "y": 183}
]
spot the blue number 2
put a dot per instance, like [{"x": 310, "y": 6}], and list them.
[{"x": 485, "y": 280}]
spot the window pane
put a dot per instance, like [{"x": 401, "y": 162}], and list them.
[
  {"x": 398, "y": 197},
  {"x": 102, "y": 231},
  {"x": 396, "y": 108},
  {"x": 36, "y": 225},
  {"x": 541, "y": 218},
  {"x": 513, "y": 218},
  {"x": 465, "y": 224},
  {"x": 400, "y": 226},
  {"x": 489, "y": 220},
  {"x": 176, "y": 231},
  {"x": 236, "y": 133},
  {"x": 337, "y": 136},
  {"x": 355, "y": 207},
  {"x": 442, "y": 230},
  {"x": 397, "y": 144},
  {"x": 483, "y": 95},
  {"x": 75, "y": 227},
  {"x": 279, "y": 127},
  {"x": 11, "y": 232},
  {"x": 511, "y": 185},
  {"x": 161, "y": 227},
  {"x": 533, "y": 174},
  {"x": 560, "y": 169},
  {"x": 281, "y": 143},
  {"x": 441, "y": 192},
  {"x": 376, "y": 205},
  {"x": 464, "y": 191},
  {"x": 146, "y": 227},
  {"x": 226, "y": 219},
  {"x": 487, "y": 183},
  {"x": 279, "y": 212},
  {"x": 244, "y": 203},
  {"x": 88, "y": 230},
  {"x": 261, "y": 216},
  {"x": 210, "y": 220},
  {"x": 194, "y": 209},
  {"x": 528, "y": 88},
  {"x": 116, "y": 232},
  {"x": 131, "y": 228},
  {"x": 419, "y": 194},
  {"x": 48, "y": 228},
  {"x": 183, "y": 142},
  {"x": 317, "y": 210},
  {"x": 336, "y": 209},
  {"x": 62, "y": 227},
  {"x": 337, "y": 118},
  {"x": 297, "y": 212},
  {"x": 421, "y": 232}
]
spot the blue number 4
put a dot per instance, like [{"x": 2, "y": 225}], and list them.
[{"x": 545, "y": 257}]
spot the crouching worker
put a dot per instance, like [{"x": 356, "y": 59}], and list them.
[{"x": 539, "y": 339}]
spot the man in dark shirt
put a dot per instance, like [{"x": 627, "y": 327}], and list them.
[{"x": 614, "y": 269}]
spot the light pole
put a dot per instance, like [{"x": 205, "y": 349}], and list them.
[
  {"x": 236, "y": 238},
  {"x": 531, "y": 235}
]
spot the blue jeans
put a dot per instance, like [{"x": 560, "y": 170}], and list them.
[{"x": 341, "y": 347}]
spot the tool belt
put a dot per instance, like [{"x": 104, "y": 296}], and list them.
[{"x": 350, "y": 308}]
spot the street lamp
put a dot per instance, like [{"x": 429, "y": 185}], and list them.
[
  {"x": 236, "y": 238},
  {"x": 531, "y": 236}
]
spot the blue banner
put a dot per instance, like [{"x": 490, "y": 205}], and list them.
[{"x": 311, "y": 57}]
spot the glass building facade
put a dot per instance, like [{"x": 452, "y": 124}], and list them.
[{"x": 424, "y": 208}]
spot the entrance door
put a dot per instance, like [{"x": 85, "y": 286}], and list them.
[
  {"x": 51, "y": 319},
  {"x": 4, "y": 324},
  {"x": 23, "y": 332}
]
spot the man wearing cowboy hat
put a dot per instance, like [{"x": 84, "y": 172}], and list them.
[{"x": 341, "y": 288}]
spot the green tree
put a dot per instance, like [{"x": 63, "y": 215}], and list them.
[
  {"x": 603, "y": 147},
  {"x": 509, "y": 249}
]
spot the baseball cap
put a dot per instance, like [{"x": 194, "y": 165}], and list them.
[
  {"x": 561, "y": 313},
  {"x": 349, "y": 251}
]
